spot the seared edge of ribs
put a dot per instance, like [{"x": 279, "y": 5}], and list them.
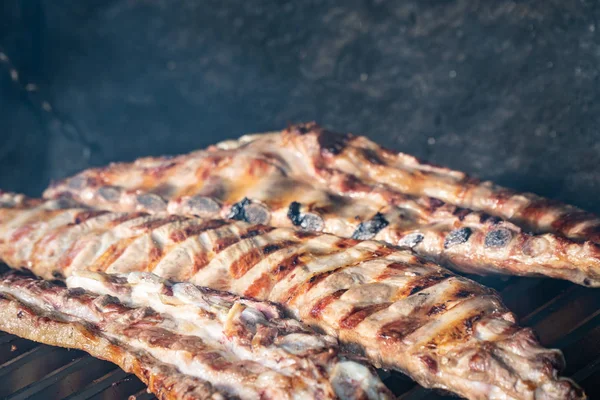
[
  {"x": 242, "y": 347},
  {"x": 347, "y": 185},
  {"x": 58, "y": 328},
  {"x": 399, "y": 310}
]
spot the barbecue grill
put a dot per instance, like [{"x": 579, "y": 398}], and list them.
[
  {"x": 564, "y": 315},
  {"x": 422, "y": 70}
]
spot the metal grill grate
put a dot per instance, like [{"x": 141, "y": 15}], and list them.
[{"x": 563, "y": 315}]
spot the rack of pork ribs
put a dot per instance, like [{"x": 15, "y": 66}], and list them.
[{"x": 281, "y": 265}]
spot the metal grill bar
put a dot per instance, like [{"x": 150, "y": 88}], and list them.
[
  {"x": 99, "y": 385},
  {"x": 23, "y": 359},
  {"x": 51, "y": 378}
]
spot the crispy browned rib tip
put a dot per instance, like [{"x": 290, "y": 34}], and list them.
[
  {"x": 316, "y": 180},
  {"x": 399, "y": 310}
]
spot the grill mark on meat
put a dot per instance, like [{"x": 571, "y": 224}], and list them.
[
  {"x": 434, "y": 204},
  {"x": 436, "y": 309},
  {"x": 351, "y": 184},
  {"x": 346, "y": 243},
  {"x": 569, "y": 221},
  {"x": 461, "y": 213},
  {"x": 535, "y": 210},
  {"x": 358, "y": 315},
  {"x": 112, "y": 254},
  {"x": 248, "y": 260},
  {"x": 22, "y": 232},
  {"x": 396, "y": 331},
  {"x": 423, "y": 282},
  {"x": 70, "y": 254},
  {"x": 391, "y": 270},
  {"x": 318, "y": 277},
  {"x": 267, "y": 280},
  {"x": 154, "y": 256},
  {"x": 271, "y": 248},
  {"x": 324, "y": 302},
  {"x": 222, "y": 243},
  {"x": 307, "y": 285},
  {"x": 127, "y": 217},
  {"x": 260, "y": 287},
  {"x": 245, "y": 262},
  {"x": 484, "y": 217},
  {"x": 87, "y": 215},
  {"x": 196, "y": 229},
  {"x": 256, "y": 230},
  {"x": 157, "y": 223}
]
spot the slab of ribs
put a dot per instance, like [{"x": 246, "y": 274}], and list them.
[{"x": 285, "y": 265}]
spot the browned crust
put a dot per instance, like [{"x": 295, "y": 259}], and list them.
[{"x": 163, "y": 380}]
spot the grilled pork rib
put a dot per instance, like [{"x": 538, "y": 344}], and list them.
[
  {"x": 242, "y": 348},
  {"x": 345, "y": 185},
  {"x": 28, "y": 308},
  {"x": 401, "y": 311}
]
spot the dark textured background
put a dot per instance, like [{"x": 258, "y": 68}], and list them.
[{"x": 504, "y": 90}]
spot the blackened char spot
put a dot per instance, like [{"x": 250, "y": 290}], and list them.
[
  {"x": 483, "y": 218},
  {"x": 237, "y": 210},
  {"x": 86, "y": 215},
  {"x": 436, "y": 309},
  {"x": 372, "y": 156},
  {"x": 255, "y": 231},
  {"x": 498, "y": 238},
  {"x": 303, "y": 129},
  {"x": 332, "y": 143},
  {"x": 368, "y": 229},
  {"x": 463, "y": 293},
  {"x": 294, "y": 213},
  {"x": 58, "y": 275},
  {"x": 75, "y": 292},
  {"x": 461, "y": 213},
  {"x": 270, "y": 248},
  {"x": 456, "y": 237},
  {"x": 470, "y": 321},
  {"x": 434, "y": 203}
]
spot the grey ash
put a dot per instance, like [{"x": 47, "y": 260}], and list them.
[
  {"x": 457, "y": 236},
  {"x": 368, "y": 229}
]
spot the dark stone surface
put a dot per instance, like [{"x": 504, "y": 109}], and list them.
[{"x": 504, "y": 90}]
